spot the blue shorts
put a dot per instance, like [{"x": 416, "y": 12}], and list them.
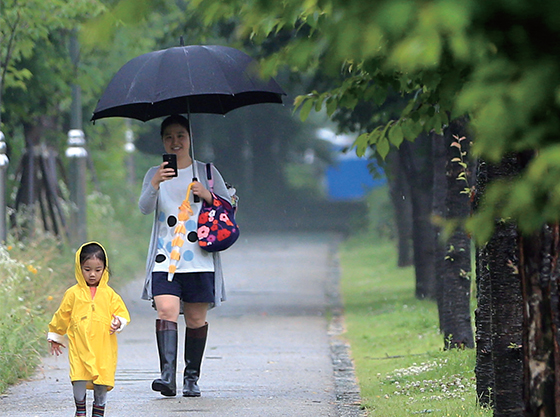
[{"x": 192, "y": 287}]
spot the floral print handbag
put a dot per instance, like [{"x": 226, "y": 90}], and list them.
[{"x": 217, "y": 228}]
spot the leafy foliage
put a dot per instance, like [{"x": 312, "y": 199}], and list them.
[
  {"x": 25, "y": 22},
  {"x": 493, "y": 61}
]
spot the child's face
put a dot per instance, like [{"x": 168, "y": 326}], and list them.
[{"x": 92, "y": 270}]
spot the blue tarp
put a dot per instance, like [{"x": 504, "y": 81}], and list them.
[{"x": 349, "y": 179}]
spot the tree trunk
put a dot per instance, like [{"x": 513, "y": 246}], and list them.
[
  {"x": 418, "y": 164},
  {"x": 539, "y": 271},
  {"x": 439, "y": 149},
  {"x": 38, "y": 186},
  {"x": 456, "y": 275},
  {"x": 501, "y": 262},
  {"x": 484, "y": 369},
  {"x": 507, "y": 306},
  {"x": 24, "y": 216},
  {"x": 399, "y": 192},
  {"x": 507, "y": 313}
]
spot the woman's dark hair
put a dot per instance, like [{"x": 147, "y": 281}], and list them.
[
  {"x": 174, "y": 119},
  {"x": 93, "y": 251}
]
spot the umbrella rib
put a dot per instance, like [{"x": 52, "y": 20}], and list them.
[
  {"x": 133, "y": 82},
  {"x": 188, "y": 68}
]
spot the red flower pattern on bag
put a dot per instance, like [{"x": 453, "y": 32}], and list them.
[
  {"x": 223, "y": 234},
  {"x": 216, "y": 226},
  {"x": 203, "y": 217}
]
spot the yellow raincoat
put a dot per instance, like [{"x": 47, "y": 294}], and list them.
[{"x": 92, "y": 351}]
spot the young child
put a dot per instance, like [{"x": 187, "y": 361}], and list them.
[{"x": 90, "y": 314}]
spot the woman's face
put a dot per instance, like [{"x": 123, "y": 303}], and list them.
[
  {"x": 92, "y": 270},
  {"x": 176, "y": 140}
]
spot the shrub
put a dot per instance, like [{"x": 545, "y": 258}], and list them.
[{"x": 33, "y": 276}]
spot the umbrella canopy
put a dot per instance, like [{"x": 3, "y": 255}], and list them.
[{"x": 185, "y": 79}]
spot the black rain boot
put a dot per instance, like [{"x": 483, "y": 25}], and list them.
[
  {"x": 166, "y": 335},
  {"x": 195, "y": 342}
]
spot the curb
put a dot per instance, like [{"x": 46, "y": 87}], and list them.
[{"x": 347, "y": 390}]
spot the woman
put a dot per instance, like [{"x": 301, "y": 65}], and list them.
[{"x": 198, "y": 281}]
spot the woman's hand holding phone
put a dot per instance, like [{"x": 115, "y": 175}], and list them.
[
  {"x": 166, "y": 171},
  {"x": 171, "y": 160}
]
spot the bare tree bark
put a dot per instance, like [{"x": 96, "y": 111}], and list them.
[
  {"x": 484, "y": 369},
  {"x": 440, "y": 154},
  {"x": 507, "y": 306},
  {"x": 39, "y": 194},
  {"x": 539, "y": 271},
  {"x": 418, "y": 165},
  {"x": 499, "y": 287},
  {"x": 399, "y": 191},
  {"x": 456, "y": 274}
]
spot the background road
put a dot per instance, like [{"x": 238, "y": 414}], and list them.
[{"x": 271, "y": 350}]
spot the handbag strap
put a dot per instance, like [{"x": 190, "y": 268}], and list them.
[{"x": 209, "y": 176}]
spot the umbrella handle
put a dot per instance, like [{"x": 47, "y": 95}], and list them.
[{"x": 196, "y": 198}]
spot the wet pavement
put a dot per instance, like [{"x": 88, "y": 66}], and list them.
[{"x": 273, "y": 347}]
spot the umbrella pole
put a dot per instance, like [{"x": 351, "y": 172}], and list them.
[{"x": 196, "y": 198}]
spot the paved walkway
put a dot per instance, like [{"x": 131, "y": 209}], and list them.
[{"x": 271, "y": 350}]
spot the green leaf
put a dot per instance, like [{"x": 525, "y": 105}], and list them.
[
  {"x": 374, "y": 135},
  {"x": 371, "y": 90},
  {"x": 361, "y": 143},
  {"x": 396, "y": 135},
  {"x": 332, "y": 105},
  {"x": 383, "y": 147},
  {"x": 319, "y": 102},
  {"x": 348, "y": 100},
  {"x": 411, "y": 130},
  {"x": 299, "y": 100},
  {"x": 437, "y": 123},
  {"x": 305, "y": 110},
  {"x": 379, "y": 96}
]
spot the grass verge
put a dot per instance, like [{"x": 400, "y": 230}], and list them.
[
  {"x": 33, "y": 277},
  {"x": 397, "y": 349}
]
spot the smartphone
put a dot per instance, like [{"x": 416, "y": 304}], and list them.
[{"x": 171, "y": 160}]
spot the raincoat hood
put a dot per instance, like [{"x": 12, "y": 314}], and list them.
[{"x": 78, "y": 267}]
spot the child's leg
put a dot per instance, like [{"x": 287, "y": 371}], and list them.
[
  {"x": 99, "y": 394},
  {"x": 99, "y": 400},
  {"x": 79, "y": 389}
]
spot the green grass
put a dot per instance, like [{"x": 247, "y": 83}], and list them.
[
  {"x": 397, "y": 349},
  {"x": 32, "y": 278}
]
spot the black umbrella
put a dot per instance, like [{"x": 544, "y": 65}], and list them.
[{"x": 185, "y": 79}]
